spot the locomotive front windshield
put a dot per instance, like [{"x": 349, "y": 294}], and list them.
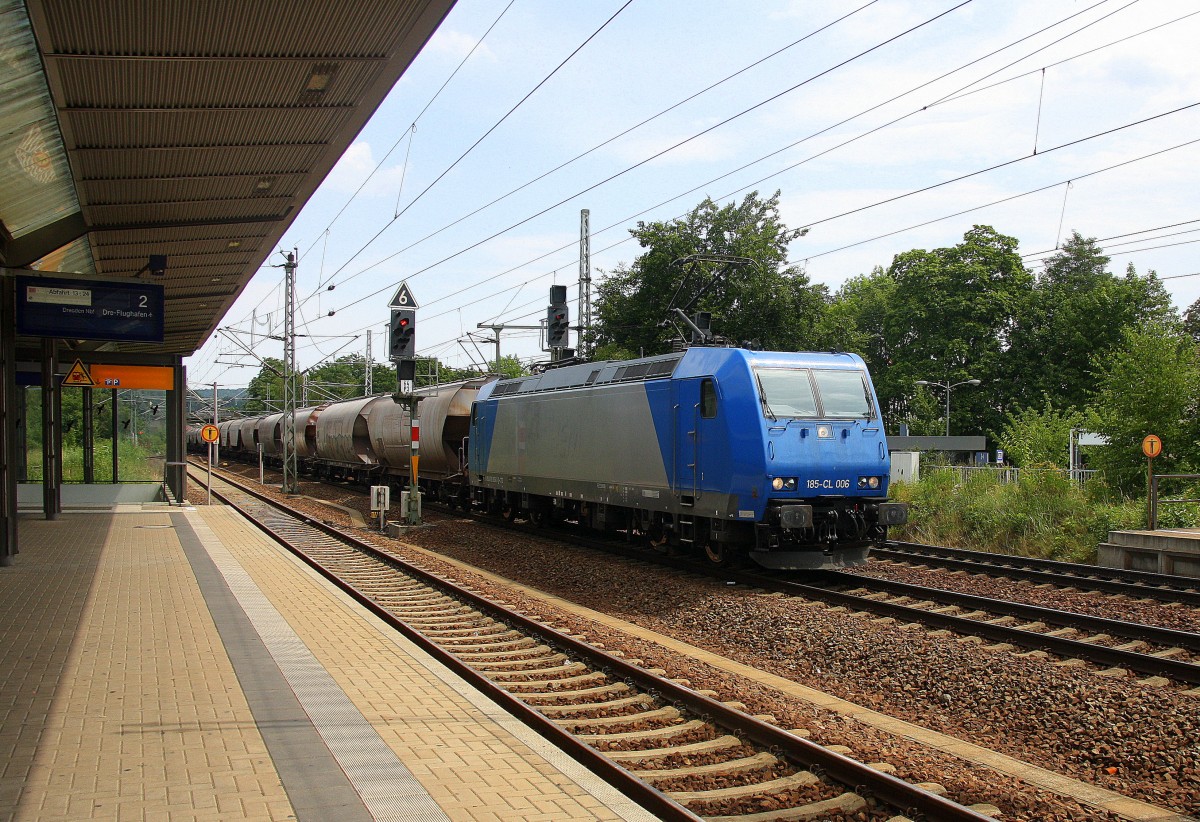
[{"x": 800, "y": 392}]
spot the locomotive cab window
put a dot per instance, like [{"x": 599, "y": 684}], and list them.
[
  {"x": 800, "y": 392},
  {"x": 786, "y": 392},
  {"x": 708, "y": 399},
  {"x": 844, "y": 394}
]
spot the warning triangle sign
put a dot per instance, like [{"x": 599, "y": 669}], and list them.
[{"x": 79, "y": 376}]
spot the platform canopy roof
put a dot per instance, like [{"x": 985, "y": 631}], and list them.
[{"x": 195, "y": 130}]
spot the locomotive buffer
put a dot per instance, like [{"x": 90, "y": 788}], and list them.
[{"x": 402, "y": 341}]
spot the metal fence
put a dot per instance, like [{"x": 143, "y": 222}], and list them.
[
  {"x": 1156, "y": 500},
  {"x": 1007, "y": 476}
]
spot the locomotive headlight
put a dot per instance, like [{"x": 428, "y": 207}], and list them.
[
  {"x": 825, "y": 431},
  {"x": 784, "y": 483},
  {"x": 868, "y": 482}
]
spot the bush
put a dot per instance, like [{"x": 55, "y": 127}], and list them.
[{"x": 1043, "y": 514}]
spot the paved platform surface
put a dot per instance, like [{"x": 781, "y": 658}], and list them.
[{"x": 167, "y": 663}]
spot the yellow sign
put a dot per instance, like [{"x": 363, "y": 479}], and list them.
[
  {"x": 79, "y": 377},
  {"x": 1152, "y": 446},
  {"x": 210, "y": 433}
]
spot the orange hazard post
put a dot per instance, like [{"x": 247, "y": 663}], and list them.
[{"x": 1151, "y": 447}]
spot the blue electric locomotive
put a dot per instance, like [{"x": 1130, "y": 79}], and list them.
[{"x": 781, "y": 456}]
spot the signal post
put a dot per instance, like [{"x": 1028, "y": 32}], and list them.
[{"x": 402, "y": 347}]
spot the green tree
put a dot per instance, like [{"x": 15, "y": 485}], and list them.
[
  {"x": 1078, "y": 313},
  {"x": 767, "y": 303},
  {"x": 340, "y": 379},
  {"x": 1033, "y": 437},
  {"x": 1149, "y": 385},
  {"x": 1191, "y": 320},
  {"x": 265, "y": 392},
  {"x": 950, "y": 318},
  {"x": 855, "y": 321},
  {"x": 508, "y": 367}
]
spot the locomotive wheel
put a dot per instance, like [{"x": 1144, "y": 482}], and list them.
[
  {"x": 657, "y": 538},
  {"x": 510, "y": 512},
  {"x": 720, "y": 554},
  {"x": 539, "y": 519}
]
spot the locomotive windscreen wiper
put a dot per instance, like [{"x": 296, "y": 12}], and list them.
[{"x": 762, "y": 396}]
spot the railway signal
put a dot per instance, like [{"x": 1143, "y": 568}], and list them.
[
  {"x": 402, "y": 342},
  {"x": 403, "y": 334},
  {"x": 558, "y": 318}
]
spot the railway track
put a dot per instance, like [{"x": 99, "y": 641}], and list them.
[
  {"x": 1113, "y": 645},
  {"x": 1117, "y": 645},
  {"x": 678, "y": 752},
  {"x": 1134, "y": 584}
]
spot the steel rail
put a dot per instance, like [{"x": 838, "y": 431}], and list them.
[
  {"x": 1097, "y": 654},
  {"x": 1185, "y": 672},
  {"x": 1129, "y": 630},
  {"x": 1111, "y": 580},
  {"x": 859, "y": 777}
]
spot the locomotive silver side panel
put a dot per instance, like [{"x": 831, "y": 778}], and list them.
[
  {"x": 342, "y": 431},
  {"x": 586, "y": 439},
  {"x": 270, "y": 434}
]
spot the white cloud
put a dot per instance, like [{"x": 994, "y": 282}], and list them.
[{"x": 456, "y": 44}]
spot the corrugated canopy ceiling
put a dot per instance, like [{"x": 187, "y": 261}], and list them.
[{"x": 195, "y": 130}]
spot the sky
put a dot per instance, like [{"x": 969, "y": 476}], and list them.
[{"x": 886, "y": 126}]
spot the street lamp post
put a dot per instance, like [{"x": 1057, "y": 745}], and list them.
[{"x": 947, "y": 387}]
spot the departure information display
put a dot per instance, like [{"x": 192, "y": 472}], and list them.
[{"x": 90, "y": 309}]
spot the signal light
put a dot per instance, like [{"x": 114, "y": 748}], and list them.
[
  {"x": 557, "y": 326},
  {"x": 403, "y": 329}
]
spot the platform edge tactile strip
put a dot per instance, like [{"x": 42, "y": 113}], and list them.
[{"x": 387, "y": 788}]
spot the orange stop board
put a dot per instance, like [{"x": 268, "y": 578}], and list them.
[
  {"x": 1152, "y": 446},
  {"x": 210, "y": 433}
]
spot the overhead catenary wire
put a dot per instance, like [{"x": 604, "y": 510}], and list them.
[
  {"x": 667, "y": 150},
  {"x": 1126, "y": 234},
  {"x": 611, "y": 140},
  {"x": 573, "y": 244},
  {"x": 485, "y": 135},
  {"x": 811, "y": 136},
  {"x": 794, "y": 144},
  {"x": 1001, "y": 200},
  {"x": 491, "y": 295}
]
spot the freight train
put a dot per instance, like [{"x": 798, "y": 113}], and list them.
[{"x": 779, "y": 457}]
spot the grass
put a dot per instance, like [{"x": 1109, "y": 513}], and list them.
[
  {"x": 134, "y": 463},
  {"x": 1043, "y": 514}
]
